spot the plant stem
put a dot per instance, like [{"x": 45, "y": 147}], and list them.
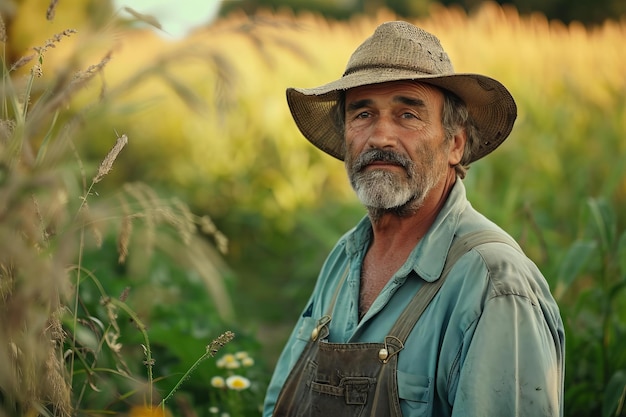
[
  {"x": 148, "y": 352},
  {"x": 185, "y": 377},
  {"x": 211, "y": 350},
  {"x": 76, "y": 300}
]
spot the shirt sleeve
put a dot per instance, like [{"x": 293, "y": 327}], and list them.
[
  {"x": 290, "y": 354},
  {"x": 513, "y": 362}
]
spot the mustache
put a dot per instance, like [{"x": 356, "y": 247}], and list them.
[{"x": 379, "y": 155}]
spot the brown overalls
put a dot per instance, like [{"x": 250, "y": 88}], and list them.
[{"x": 359, "y": 379}]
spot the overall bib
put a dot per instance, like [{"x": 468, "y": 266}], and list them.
[{"x": 359, "y": 379}]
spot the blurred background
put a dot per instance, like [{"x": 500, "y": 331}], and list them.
[{"x": 199, "y": 90}]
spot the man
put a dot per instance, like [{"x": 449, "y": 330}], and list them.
[{"x": 383, "y": 334}]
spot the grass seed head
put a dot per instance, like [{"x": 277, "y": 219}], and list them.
[
  {"x": 3, "y": 30},
  {"x": 107, "y": 163},
  {"x": 51, "y": 9}
]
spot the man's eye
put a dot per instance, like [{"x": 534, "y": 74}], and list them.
[
  {"x": 409, "y": 115},
  {"x": 362, "y": 115}
]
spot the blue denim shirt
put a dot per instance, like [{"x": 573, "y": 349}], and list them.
[{"x": 491, "y": 343}]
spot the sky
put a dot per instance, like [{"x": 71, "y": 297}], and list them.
[{"x": 177, "y": 17}]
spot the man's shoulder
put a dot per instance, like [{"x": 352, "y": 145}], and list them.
[{"x": 511, "y": 272}]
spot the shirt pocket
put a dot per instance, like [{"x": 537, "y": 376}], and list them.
[{"x": 414, "y": 392}]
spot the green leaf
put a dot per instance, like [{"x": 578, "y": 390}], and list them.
[
  {"x": 614, "y": 395},
  {"x": 575, "y": 259},
  {"x": 604, "y": 221},
  {"x": 621, "y": 255},
  {"x": 46, "y": 141}
]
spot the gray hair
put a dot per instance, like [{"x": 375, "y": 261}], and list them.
[{"x": 455, "y": 116}]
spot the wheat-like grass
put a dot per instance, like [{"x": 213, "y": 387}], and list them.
[
  {"x": 57, "y": 385},
  {"x": 21, "y": 62},
  {"x": 107, "y": 163},
  {"x": 3, "y": 30},
  {"x": 51, "y": 11},
  {"x": 51, "y": 42},
  {"x": 43, "y": 239},
  {"x": 123, "y": 239},
  {"x": 147, "y": 200},
  {"x": 211, "y": 350}
]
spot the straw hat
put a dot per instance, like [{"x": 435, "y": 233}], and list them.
[{"x": 402, "y": 51}]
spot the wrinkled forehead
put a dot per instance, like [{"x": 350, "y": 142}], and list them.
[{"x": 408, "y": 92}]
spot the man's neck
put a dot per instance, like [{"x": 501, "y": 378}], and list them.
[{"x": 394, "y": 231}]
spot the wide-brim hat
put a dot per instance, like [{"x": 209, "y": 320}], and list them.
[{"x": 401, "y": 51}]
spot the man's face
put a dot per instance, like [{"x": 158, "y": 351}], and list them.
[{"x": 396, "y": 147}]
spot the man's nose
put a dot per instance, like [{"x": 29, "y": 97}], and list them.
[{"x": 383, "y": 133}]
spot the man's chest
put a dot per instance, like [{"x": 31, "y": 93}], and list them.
[{"x": 375, "y": 274}]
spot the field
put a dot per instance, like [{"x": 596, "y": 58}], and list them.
[{"x": 215, "y": 215}]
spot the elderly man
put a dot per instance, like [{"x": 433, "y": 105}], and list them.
[{"x": 425, "y": 308}]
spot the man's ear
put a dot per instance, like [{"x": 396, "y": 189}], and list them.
[{"x": 457, "y": 147}]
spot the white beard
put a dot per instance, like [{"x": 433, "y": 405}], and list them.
[{"x": 382, "y": 189}]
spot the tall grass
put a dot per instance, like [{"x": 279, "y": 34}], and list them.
[{"x": 58, "y": 350}]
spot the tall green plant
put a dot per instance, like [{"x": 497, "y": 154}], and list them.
[{"x": 590, "y": 287}]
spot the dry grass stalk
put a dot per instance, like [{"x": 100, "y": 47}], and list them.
[
  {"x": 42, "y": 224},
  {"x": 92, "y": 69},
  {"x": 112, "y": 335},
  {"x": 151, "y": 20},
  {"x": 208, "y": 227},
  {"x": 59, "y": 391},
  {"x": 67, "y": 91},
  {"x": 124, "y": 295},
  {"x": 3, "y": 31},
  {"x": 32, "y": 370},
  {"x": 221, "y": 241},
  {"x": 35, "y": 251},
  {"x": 36, "y": 71},
  {"x": 21, "y": 62},
  {"x": 51, "y": 9},
  {"x": 107, "y": 163},
  {"x": 7, "y": 127},
  {"x": 123, "y": 238},
  {"x": 147, "y": 199},
  {"x": 41, "y": 233},
  {"x": 181, "y": 218},
  {"x": 6, "y": 282},
  {"x": 196, "y": 253},
  {"x": 51, "y": 42}
]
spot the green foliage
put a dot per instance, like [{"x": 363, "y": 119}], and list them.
[{"x": 592, "y": 283}]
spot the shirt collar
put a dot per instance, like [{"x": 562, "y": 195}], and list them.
[{"x": 428, "y": 257}]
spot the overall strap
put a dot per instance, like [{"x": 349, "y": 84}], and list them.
[
  {"x": 427, "y": 292},
  {"x": 321, "y": 329}
]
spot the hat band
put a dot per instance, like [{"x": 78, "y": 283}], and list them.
[{"x": 359, "y": 68}]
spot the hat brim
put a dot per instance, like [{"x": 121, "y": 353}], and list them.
[{"x": 489, "y": 103}]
